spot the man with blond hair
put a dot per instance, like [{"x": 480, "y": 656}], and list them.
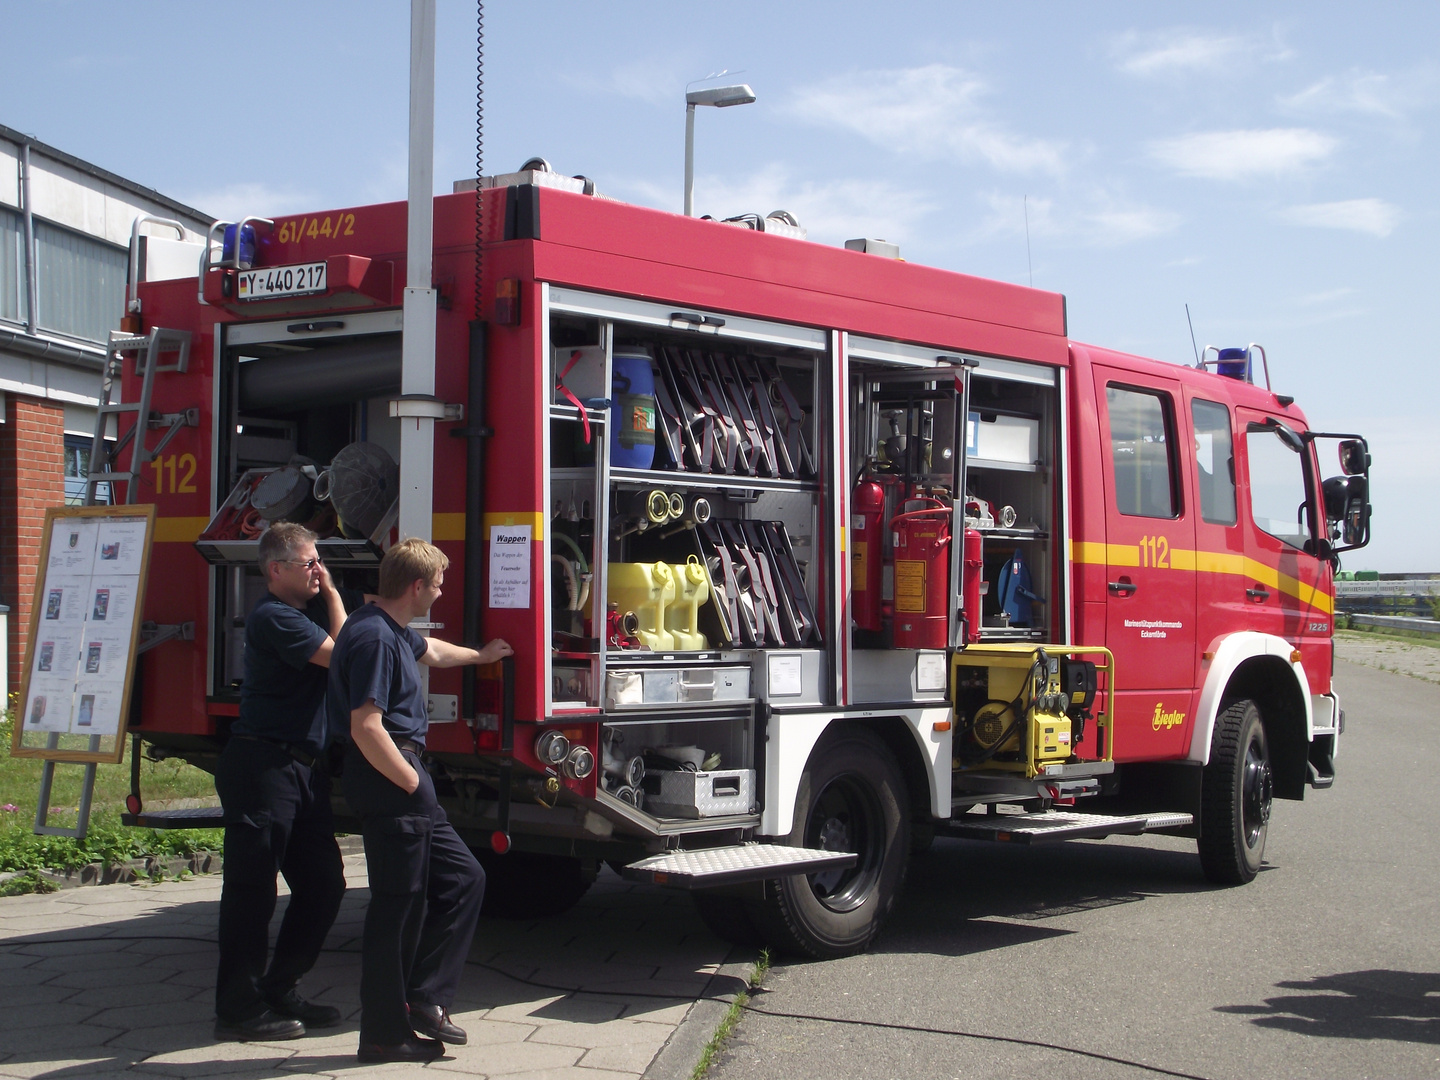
[
  {"x": 274, "y": 785},
  {"x": 425, "y": 885}
]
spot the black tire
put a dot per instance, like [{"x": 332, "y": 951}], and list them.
[
  {"x": 1235, "y": 797},
  {"x": 728, "y": 918},
  {"x": 525, "y": 885},
  {"x": 851, "y": 798}
]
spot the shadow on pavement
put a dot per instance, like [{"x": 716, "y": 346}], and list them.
[
  {"x": 958, "y": 887},
  {"x": 1403, "y": 1006}
]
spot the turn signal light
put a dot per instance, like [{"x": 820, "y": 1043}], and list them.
[{"x": 507, "y": 302}]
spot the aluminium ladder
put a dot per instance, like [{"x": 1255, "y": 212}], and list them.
[{"x": 148, "y": 349}]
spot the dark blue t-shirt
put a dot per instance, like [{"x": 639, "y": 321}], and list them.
[
  {"x": 377, "y": 659},
  {"x": 283, "y": 694}
]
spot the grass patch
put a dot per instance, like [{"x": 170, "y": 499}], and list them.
[
  {"x": 1389, "y": 633},
  {"x": 107, "y": 840},
  {"x": 732, "y": 1017}
]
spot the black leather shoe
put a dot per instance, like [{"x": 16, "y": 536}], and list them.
[
  {"x": 266, "y": 1027},
  {"x": 410, "y": 1050},
  {"x": 291, "y": 1004},
  {"x": 433, "y": 1021}
]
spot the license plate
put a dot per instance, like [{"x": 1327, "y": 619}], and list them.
[{"x": 274, "y": 281}]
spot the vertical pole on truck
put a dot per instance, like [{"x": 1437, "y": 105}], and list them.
[{"x": 417, "y": 355}]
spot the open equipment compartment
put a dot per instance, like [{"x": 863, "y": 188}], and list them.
[
  {"x": 673, "y": 436},
  {"x": 290, "y": 396}
]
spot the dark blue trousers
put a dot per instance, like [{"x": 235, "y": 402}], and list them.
[
  {"x": 425, "y": 894},
  {"x": 277, "y": 819}
]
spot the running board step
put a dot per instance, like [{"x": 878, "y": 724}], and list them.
[
  {"x": 709, "y": 867},
  {"x": 1051, "y": 826},
  {"x": 196, "y": 817}
]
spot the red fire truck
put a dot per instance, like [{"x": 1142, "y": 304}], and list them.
[{"x": 807, "y": 554}]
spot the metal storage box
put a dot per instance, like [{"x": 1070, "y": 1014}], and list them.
[
  {"x": 685, "y": 794},
  {"x": 676, "y": 686}
]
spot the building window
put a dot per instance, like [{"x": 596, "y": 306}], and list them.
[
  {"x": 77, "y": 465},
  {"x": 80, "y": 282},
  {"x": 12, "y": 266}
]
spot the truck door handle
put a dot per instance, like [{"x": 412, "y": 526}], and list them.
[
  {"x": 1258, "y": 594},
  {"x": 1126, "y": 587}
]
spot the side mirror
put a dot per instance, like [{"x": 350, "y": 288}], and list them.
[
  {"x": 1354, "y": 461},
  {"x": 1336, "y": 490},
  {"x": 1355, "y": 526}
]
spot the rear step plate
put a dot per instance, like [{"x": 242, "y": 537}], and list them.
[
  {"x": 1050, "y": 826},
  {"x": 708, "y": 867},
  {"x": 196, "y": 817}
]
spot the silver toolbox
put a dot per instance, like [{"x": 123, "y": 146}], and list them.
[
  {"x": 676, "y": 686},
  {"x": 685, "y": 794}
]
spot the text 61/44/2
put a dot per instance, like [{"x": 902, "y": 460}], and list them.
[
  {"x": 310, "y": 228},
  {"x": 275, "y": 281}
]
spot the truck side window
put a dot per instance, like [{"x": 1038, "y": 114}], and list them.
[
  {"x": 1215, "y": 461},
  {"x": 1277, "y": 487},
  {"x": 1142, "y": 452}
]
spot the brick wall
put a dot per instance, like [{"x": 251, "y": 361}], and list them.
[{"x": 32, "y": 478}]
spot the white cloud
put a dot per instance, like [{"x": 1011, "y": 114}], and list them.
[
  {"x": 1179, "y": 49},
  {"x": 1326, "y": 298},
  {"x": 1373, "y": 216},
  {"x": 1240, "y": 155},
  {"x": 1366, "y": 93},
  {"x": 237, "y": 200},
  {"x": 831, "y": 211},
  {"x": 1098, "y": 220},
  {"x": 932, "y": 112}
]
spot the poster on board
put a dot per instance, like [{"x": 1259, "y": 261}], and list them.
[{"x": 84, "y": 633}]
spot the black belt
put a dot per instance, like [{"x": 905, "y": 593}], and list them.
[
  {"x": 295, "y": 750},
  {"x": 407, "y": 744}
]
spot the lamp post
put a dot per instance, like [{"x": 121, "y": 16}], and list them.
[{"x": 720, "y": 97}]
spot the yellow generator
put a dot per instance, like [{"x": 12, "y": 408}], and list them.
[{"x": 1020, "y": 708}]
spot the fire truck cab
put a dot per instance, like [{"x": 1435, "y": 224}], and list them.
[{"x": 807, "y": 554}]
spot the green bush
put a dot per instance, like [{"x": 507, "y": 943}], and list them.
[{"x": 107, "y": 841}]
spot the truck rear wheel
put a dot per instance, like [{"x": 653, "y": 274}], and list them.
[
  {"x": 527, "y": 885},
  {"x": 1235, "y": 797},
  {"x": 851, "y": 798}
]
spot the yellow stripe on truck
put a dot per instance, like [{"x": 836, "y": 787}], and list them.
[
  {"x": 179, "y": 530},
  {"x": 1089, "y": 553}
]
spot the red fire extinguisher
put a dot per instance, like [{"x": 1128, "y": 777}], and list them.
[
  {"x": 866, "y": 553},
  {"x": 922, "y": 576},
  {"x": 974, "y": 555}
]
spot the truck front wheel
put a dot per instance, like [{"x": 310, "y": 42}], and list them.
[
  {"x": 851, "y": 798},
  {"x": 1235, "y": 797}
]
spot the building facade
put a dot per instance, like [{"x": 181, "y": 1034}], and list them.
[{"x": 65, "y": 228}]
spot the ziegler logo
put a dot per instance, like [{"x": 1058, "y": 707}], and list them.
[{"x": 1167, "y": 720}]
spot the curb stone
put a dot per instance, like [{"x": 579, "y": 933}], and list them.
[{"x": 681, "y": 1053}]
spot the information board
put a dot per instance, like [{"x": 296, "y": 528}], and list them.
[{"x": 84, "y": 632}]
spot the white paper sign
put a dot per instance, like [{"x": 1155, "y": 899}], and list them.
[
  {"x": 510, "y": 566},
  {"x": 88, "y": 606}
]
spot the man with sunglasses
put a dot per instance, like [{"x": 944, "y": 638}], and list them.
[{"x": 274, "y": 785}]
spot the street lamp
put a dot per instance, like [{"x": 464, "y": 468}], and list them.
[{"x": 720, "y": 97}]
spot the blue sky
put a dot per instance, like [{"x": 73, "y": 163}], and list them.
[{"x": 1272, "y": 165}]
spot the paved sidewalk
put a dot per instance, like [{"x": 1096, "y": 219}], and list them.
[{"x": 119, "y": 980}]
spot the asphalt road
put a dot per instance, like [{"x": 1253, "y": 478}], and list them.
[{"x": 1116, "y": 958}]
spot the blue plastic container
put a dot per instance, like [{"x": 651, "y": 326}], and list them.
[{"x": 632, "y": 414}]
